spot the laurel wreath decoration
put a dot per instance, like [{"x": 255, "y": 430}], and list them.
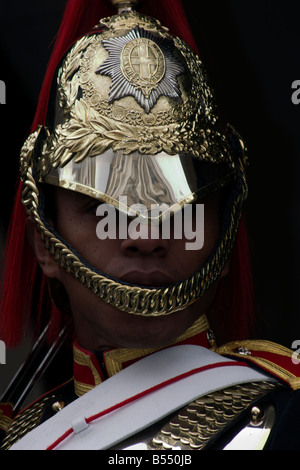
[{"x": 88, "y": 134}]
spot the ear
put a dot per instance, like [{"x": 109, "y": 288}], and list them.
[{"x": 46, "y": 261}]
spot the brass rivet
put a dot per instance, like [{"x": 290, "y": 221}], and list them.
[
  {"x": 256, "y": 416},
  {"x": 58, "y": 406}
]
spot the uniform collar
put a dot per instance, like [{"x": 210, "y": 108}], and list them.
[{"x": 92, "y": 368}]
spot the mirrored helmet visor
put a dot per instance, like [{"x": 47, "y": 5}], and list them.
[{"x": 135, "y": 181}]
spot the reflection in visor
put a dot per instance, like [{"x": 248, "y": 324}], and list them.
[{"x": 165, "y": 180}]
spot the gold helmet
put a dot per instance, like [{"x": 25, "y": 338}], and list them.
[{"x": 132, "y": 116}]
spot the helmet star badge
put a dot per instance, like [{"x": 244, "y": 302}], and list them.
[{"x": 141, "y": 65}]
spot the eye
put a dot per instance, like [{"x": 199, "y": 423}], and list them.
[{"x": 91, "y": 206}]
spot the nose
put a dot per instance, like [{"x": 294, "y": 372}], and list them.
[{"x": 146, "y": 242}]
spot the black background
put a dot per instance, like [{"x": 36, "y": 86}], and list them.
[{"x": 251, "y": 51}]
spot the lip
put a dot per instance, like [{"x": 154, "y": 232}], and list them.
[{"x": 149, "y": 279}]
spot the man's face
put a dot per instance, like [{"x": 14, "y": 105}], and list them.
[{"x": 152, "y": 262}]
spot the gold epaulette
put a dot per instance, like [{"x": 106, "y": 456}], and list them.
[
  {"x": 24, "y": 422},
  {"x": 278, "y": 360},
  {"x": 6, "y": 411}
]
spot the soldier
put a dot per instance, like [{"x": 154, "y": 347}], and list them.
[{"x": 126, "y": 149}]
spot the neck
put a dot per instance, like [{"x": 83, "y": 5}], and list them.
[{"x": 92, "y": 368}]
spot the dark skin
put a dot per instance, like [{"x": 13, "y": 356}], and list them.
[{"x": 151, "y": 262}]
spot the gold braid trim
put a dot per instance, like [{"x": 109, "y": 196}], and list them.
[{"x": 245, "y": 348}]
